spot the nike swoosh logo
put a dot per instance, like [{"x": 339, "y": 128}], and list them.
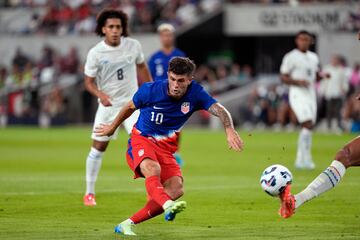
[{"x": 155, "y": 107}]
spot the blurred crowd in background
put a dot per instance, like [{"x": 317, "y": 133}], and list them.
[
  {"x": 338, "y": 109},
  {"x": 79, "y": 16},
  {"x": 267, "y": 106},
  {"x": 62, "y": 17},
  {"x": 22, "y": 82}
]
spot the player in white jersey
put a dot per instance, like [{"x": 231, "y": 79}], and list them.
[
  {"x": 300, "y": 70},
  {"x": 111, "y": 75},
  {"x": 347, "y": 156}
]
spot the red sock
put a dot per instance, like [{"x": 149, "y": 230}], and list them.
[
  {"x": 156, "y": 190},
  {"x": 151, "y": 209}
]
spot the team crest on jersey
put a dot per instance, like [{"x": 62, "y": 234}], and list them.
[
  {"x": 129, "y": 59},
  {"x": 185, "y": 107},
  {"x": 141, "y": 152}
]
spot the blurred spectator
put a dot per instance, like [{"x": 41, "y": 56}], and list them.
[
  {"x": 48, "y": 57},
  {"x": 21, "y": 71},
  {"x": 209, "y": 6},
  {"x": 46, "y": 65},
  {"x": 354, "y": 20},
  {"x": 235, "y": 78},
  {"x": 206, "y": 77},
  {"x": 65, "y": 18},
  {"x": 3, "y": 76},
  {"x": 168, "y": 14},
  {"x": 334, "y": 89},
  {"x": 53, "y": 103},
  {"x": 78, "y": 16},
  {"x": 70, "y": 62},
  {"x": 33, "y": 25},
  {"x": 355, "y": 78},
  {"x": 352, "y": 113},
  {"x": 85, "y": 21},
  {"x": 187, "y": 12},
  {"x": 222, "y": 79},
  {"x": 52, "y": 108},
  {"x": 20, "y": 61},
  {"x": 3, "y": 97},
  {"x": 144, "y": 20},
  {"x": 48, "y": 22}
]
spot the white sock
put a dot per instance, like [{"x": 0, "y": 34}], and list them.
[
  {"x": 324, "y": 182},
  {"x": 127, "y": 221},
  {"x": 93, "y": 165},
  {"x": 168, "y": 204},
  {"x": 299, "y": 152},
  {"x": 307, "y": 139}
]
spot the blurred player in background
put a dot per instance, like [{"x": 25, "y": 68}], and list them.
[
  {"x": 300, "y": 70},
  {"x": 159, "y": 61},
  {"x": 111, "y": 75},
  {"x": 346, "y": 157},
  {"x": 164, "y": 106}
]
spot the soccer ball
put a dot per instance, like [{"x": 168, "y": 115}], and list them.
[{"x": 274, "y": 179}]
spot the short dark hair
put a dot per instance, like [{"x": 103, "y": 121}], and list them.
[
  {"x": 303, "y": 32},
  {"x": 182, "y": 66},
  {"x": 111, "y": 13}
]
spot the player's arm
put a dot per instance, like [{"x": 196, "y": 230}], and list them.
[
  {"x": 108, "y": 130},
  {"x": 358, "y": 97},
  {"x": 91, "y": 86},
  {"x": 233, "y": 137},
  {"x": 285, "y": 78},
  {"x": 144, "y": 72}
]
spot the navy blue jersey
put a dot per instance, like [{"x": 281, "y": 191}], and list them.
[
  {"x": 162, "y": 117},
  {"x": 159, "y": 61}
]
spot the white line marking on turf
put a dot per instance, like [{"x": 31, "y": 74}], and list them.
[{"x": 120, "y": 190}]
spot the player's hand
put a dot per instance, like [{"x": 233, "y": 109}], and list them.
[
  {"x": 234, "y": 140},
  {"x": 105, "y": 100},
  {"x": 358, "y": 97},
  {"x": 302, "y": 83},
  {"x": 104, "y": 130}
]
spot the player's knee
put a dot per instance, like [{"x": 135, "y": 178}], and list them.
[
  {"x": 176, "y": 192},
  {"x": 180, "y": 192},
  {"x": 100, "y": 146},
  {"x": 308, "y": 125},
  {"x": 150, "y": 168},
  {"x": 343, "y": 156}
]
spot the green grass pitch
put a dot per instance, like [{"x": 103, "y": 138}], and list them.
[{"x": 42, "y": 185}]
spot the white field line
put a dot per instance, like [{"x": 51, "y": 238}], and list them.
[{"x": 128, "y": 190}]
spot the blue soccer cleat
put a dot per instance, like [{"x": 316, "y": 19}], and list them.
[
  {"x": 124, "y": 228},
  {"x": 177, "y": 207}
]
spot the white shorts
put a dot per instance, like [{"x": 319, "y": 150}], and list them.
[
  {"x": 305, "y": 108},
  {"x": 107, "y": 115}
]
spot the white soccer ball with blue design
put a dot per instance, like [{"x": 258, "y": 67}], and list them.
[{"x": 274, "y": 179}]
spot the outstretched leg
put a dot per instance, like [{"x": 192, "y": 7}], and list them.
[
  {"x": 346, "y": 157},
  {"x": 173, "y": 187},
  {"x": 161, "y": 197}
]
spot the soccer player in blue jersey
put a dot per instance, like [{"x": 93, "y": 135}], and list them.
[
  {"x": 164, "y": 106},
  {"x": 159, "y": 61}
]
